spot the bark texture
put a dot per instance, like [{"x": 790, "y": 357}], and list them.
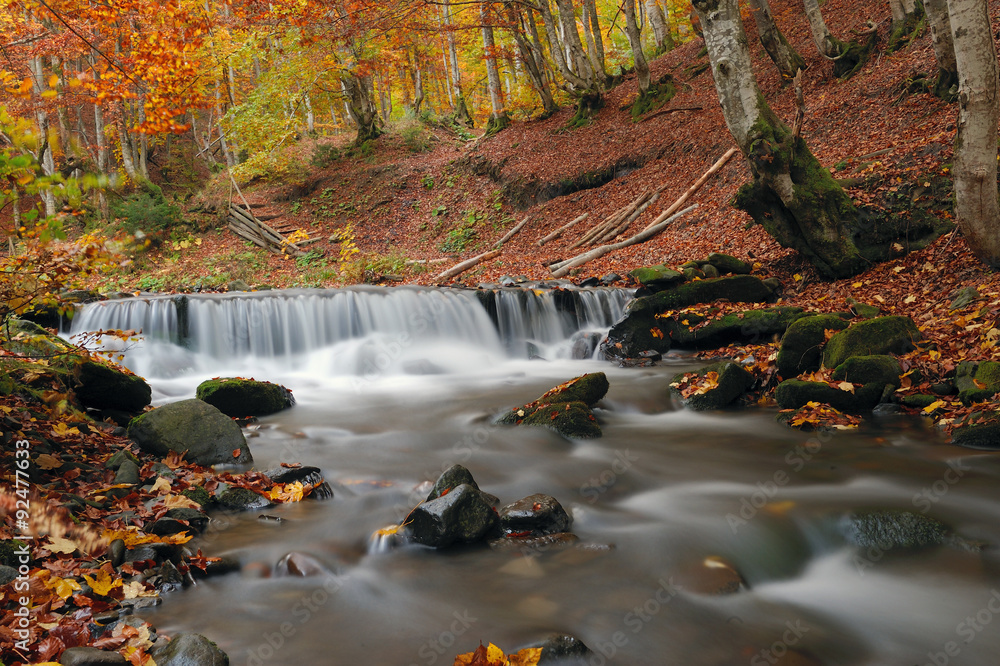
[
  {"x": 946, "y": 86},
  {"x": 782, "y": 54}
]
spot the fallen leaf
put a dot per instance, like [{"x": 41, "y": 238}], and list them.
[
  {"x": 103, "y": 583},
  {"x": 160, "y": 487},
  {"x": 47, "y": 462},
  {"x": 62, "y": 545},
  {"x": 846, "y": 386},
  {"x": 180, "y": 502}
]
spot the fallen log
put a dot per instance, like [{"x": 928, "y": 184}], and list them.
[
  {"x": 621, "y": 228},
  {"x": 558, "y": 232},
  {"x": 611, "y": 221},
  {"x": 694, "y": 188},
  {"x": 664, "y": 112},
  {"x": 461, "y": 267},
  {"x": 562, "y": 268},
  {"x": 510, "y": 234}
]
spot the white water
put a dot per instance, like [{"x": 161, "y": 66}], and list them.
[{"x": 395, "y": 385}]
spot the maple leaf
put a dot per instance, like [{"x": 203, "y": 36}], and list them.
[
  {"x": 60, "y": 429},
  {"x": 47, "y": 462},
  {"x": 103, "y": 583},
  {"x": 61, "y": 545},
  {"x": 290, "y": 492},
  {"x": 64, "y": 587}
]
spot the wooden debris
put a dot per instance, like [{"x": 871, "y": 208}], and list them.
[{"x": 558, "y": 232}]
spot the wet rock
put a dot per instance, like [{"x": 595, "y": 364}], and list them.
[
  {"x": 197, "y": 520},
  {"x": 106, "y": 387},
  {"x": 585, "y": 344},
  {"x": 237, "y": 285},
  {"x": 889, "y": 529},
  {"x": 726, "y": 263},
  {"x": 879, "y": 369},
  {"x": 188, "y": 650},
  {"x": 977, "y": 382},
  {"x": 918, "y": 401},
  {"x": 167, "y": 578},
  {"x": 588, "y": 389},
  {"x": 610, "y": 278},
  {"x": 88, "y": 656},
  {"x": 732, "y": 381},
  {"x": 884, "y": 335},
  {"x": 748, "y": 327},
  {"x": 461, "y": 516},
  {"x": 7, "y": 574},
  {"x": 198, "y": 494},
  {"x": 962, "y": 298},
  {"x": 300, "y": 565},
  {"x": 802, "y": 343},
  {"x": 453, "y": 477},
  {"x": 207, "y": 435},
  {"x": 794, "y": 393},
  {"x": 564, "y": 650},
  {"x": 244, "y": 397},
  {"x": 713, "y": 575},
  {"x": 589, "y": 282},
  {"x": 115, "y": 461},
  {"x": 223, "y": 565},
  {"x": 535, "y": 544},
  {"x": 116, "y": 552},
  {"x": 305, "y": 474},
  {"x": 985, "y": 437},
  {"x": 657, "y": 278},
  {"x": 166, "y": 526},
  {"x": 242, "y": 499},
  {"x": 157, "y": 552},
  {"x": 128, "y": 472},
  {"x": 565, "y": 408},
  {"x": 535, "y": 515}
]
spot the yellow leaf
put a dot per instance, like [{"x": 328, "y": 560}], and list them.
[
  {"x": 909, "y": 299},
  {"x": 53, "y": 81},
  {"x": 64, "y": 587},
  {"x": 45, "y": 461},
  {"x": 797, "y": 277},
  {"x": 60, "y": 429},
  {"x": 879, "y": 298},
  {"x": 62, "y": 545},
  {"x": 857, "y": 285},
  {"x": 290, "y": 492},
  {"x": 180, "y": 502},
  {"x": 493, "y": 653},
  {"x": 937, "y": 404},
  {"x": 526, "y": 657},
  {"x": 846, "y": 386},
  {"x": 161, "y": 487},
  {"x": 103, "y": 583}
]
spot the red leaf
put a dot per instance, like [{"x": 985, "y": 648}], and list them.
[{"x": 236, "y": 453}]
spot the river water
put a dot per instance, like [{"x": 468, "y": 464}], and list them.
[{"x": 392, "y": 386}]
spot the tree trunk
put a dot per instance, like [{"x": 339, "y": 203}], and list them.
[
  {"x": 792, "y": 196},
  {"x": 595, "y": 43},
  {"x": 847, "y": 57},
  {"x": 102, "y": 158},
  {"x": 635, "y": 40},
  {"x": 462, "y": 115},
  {"x": 361, "y": 107},
  {"x": 498, "y": 118},
  {"x": 977, "y": 207},
  {"x": 533, "y": 65},
  {"x": 566, "y": 67},
  {"x": 946, "y": 86},
  {"x": 784, "y": 56},
  {"x": 661, "y": 31},
  {"x": 577, "y": 57},
  {"x": 44, "y": 154},
  {"x": 826, "y": 43},
  {"x": 906, "y": 21}
]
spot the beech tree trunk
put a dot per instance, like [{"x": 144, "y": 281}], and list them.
[
  {"x": 461, "y": 108},
  {"x": 577, "y": 56},
  {"x": 661, "y": 31},
  {"x": 946, "y": 86},
  {"x": 977, "y": 207},
  {"x": 595, "y": 43},
  {"x": 906, "y": 16},
  {"x": 534, "y": 63},
  {"x": 826, "y": 43},
  {"x": 635, "y": 41},
  {"x": 361, "y": 107},
  {"x": 792, "y": 196},
  {"x": 567, "y": 68},
  {"x": 782, "y": 54},
  {"x": 498, "y": 117}
]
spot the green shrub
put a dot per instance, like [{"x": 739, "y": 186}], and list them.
[
  {"x": 146, "y": 212},
  {"x": 324, "y": 156}
]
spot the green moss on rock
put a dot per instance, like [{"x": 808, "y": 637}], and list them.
[
  {"x": 794, "y": 393},
  {"x": 244, "y": 397},
  {"x": 207, "y": 435},
  {"x": 106, "y": 387},
  {"x": 877, "y": 369},
  {"x": 564, "y": 408},
  {"x": 802, "y": 344},
  {"x": 726, "y": 263},
  {"x": 918, "y": 401},
  {"x": 732, "y": 382},
  {"x": 747, "y": 327},
  {"x": 569, "y": 419},
  {"x": 984, "y": 437},
  {"x": 657, "y": 278},
  {"x": 884, "y": 335}
]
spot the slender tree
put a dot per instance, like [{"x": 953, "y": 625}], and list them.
[
  {"x": 782, "y": 54},
  {"x": 635, "y": 40},
  {"x": 946, "y": 86}
]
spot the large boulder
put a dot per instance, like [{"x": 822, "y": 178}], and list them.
[
  {"x": 588, "y": 389},
  {"x": 238, "y": 397},
  {"x": 883, "y": 335},
  {"x": 207, "y": 435},
  {"x": 977, "y": 382},
  {"x": 463, "y": 515},
  {"x": 639, "y": 329},
  {"x": 747, "y": 327},
  {"x": 189, "y": 650},
  {"x": 727, "y": 263},
  {"x": 879, "y": 369},
  {"x": 794, "y": 393},
  {"x": 109, "y": 387},
  {"x": 657, "y": 278},
  {"x": 723, "y": 383},
  {"x": 802, "y": 344}
]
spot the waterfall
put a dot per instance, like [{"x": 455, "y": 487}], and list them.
[{"x": 349, "y": 331}]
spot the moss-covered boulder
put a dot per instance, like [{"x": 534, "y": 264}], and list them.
[
  {"x": 977, "y": 382},
  {"x": 207, "y": 435},
  {"x": 726, "y": 263},
  {"x": 883, "y": 335},
  {"x": 103, "y": 386},
  {"x": 879, "y": 369},
  {"x": 802, "y": 344},
  {"x": 237, "y": 397},
  {"x": 188, "y": 650},
  {"x": 918, "y": 401},
  {"x": 588, "y": 389},
  {"x": 983, "y": 437},
  {"x": 719, "y": 385},
  {"x": 747, "y": 327},
  {"x": 657, "y": 278},
  {"x": 794, "y": 393},
  {"x": 639, "y": 329},
  {"x": 21, "y": 336},
  {"x": 564, "y": 408}
]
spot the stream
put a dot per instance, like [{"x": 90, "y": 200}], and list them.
[{"x": 394, "y": 385}]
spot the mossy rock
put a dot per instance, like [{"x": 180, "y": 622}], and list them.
[
  {"x": 918, "y": 401},
  {"x": 726, "y": 263},
  {"x": 104, "y": 386},
  {"x": 884, "y": 335},
  {"x": 802, "y": 344},
  {"x": 863, "y": 310},
  {"x": 30, "y": 339},
  {"x": 198, "y": 494},
  {"x": 242, "y": 499},
  {"x": 244, "y": 397},
  {"x": 794, "y": 393},
  {"x": 983, "y": 437},
  {"x": 747, "y": 327},
  {"x": 877, "y": 369},
  {"x": 977, "y": 382},
  {"x": 639, "y": 329},
  {"x": 587, "y": 389},
  {"x": 208, "y": 436},
  {"x": 889, "y": 529},
  {"x": 657, "y": 278},
  {"x": 570, "y": 419},
  {"x": 732, "y": 382}
]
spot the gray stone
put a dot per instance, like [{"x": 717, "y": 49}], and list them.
[
  {"x": 189, "y": 650},
  {"x": 88, "y": 656},
  {"x": 962, "y": 298},
  {"x": 892, "y": 528},
  {"x": 7, "y": 574},
  {"x": 461, "y": 516},
  {"x": 237, "y": 285},
  {"x": 116, "y": 552},
  {"x": 452, "y": 477},
  {"x": 207, "y": 435},
  {"x": 128, "y": 472},
  {"x": 115, "y": 461},
  {"x": 564, "y": 650},
  {"x": 535, "y": 515},
  {"x": 103, "y": 386},
  {"x": 193, "y": 517},
  {"x": 242, "y": 499}
]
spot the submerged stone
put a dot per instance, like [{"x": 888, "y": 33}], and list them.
[
  {"x": 889, "y": 529},
  {"x": 535, "y": 515}
]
